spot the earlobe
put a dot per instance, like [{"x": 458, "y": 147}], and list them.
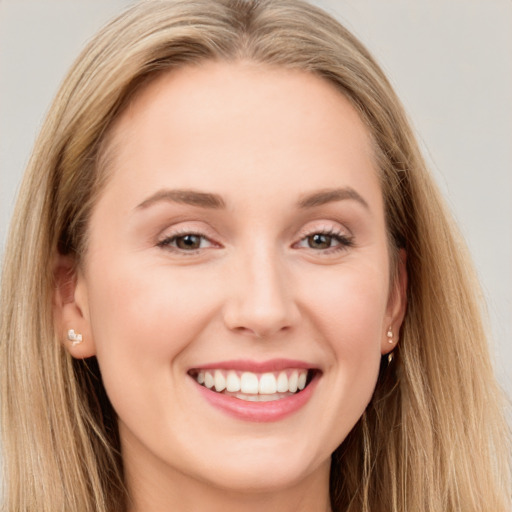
[
  {"x": 70, "y": 308},
  {"x": 397, "y": 305}
]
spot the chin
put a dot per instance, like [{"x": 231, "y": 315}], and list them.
[
  {"x": 257, "y": 478},
  {"x": 264, "y": 469}
]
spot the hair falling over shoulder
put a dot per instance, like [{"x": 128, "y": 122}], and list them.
[{"x": 433, "y": 438}]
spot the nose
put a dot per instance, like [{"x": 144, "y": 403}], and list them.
[{"x": 261, "y": 301}]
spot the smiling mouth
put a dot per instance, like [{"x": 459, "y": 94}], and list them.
[{"x": 254, "y": 387}]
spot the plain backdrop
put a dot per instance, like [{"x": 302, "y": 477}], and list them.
[{"x": 449, "y": 60}]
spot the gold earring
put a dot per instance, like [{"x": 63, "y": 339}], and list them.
[{"x": 75, "y": 338}]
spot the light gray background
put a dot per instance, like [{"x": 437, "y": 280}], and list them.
[{"x": 449, "y": 60}]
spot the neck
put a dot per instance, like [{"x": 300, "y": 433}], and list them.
[{"x": 157, "y": 491}]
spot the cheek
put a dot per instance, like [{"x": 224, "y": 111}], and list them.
[
  {"x": 146, "y": 306},
  {"x": 142, "y": 320},
  {"x": 350, "y": 307},
  {"x": 349, "y": 316}
]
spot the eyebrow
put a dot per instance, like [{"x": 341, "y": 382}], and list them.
[
  {"x": 190, "y": 197},
  {"x": 330, "y": 195},
  {"x": 214, "y": 201}
]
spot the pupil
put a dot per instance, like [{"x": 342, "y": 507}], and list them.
[
  {"x": 188, "y": 242},
  {"x": 320, "y": 241}
]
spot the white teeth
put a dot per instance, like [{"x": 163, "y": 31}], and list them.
[
  {"x": 232, "y": 382},
  {"x": 208, "y": 380},
  {"x": 293, "y": 381},
  {"x": 220, "y": 381},
  {"x": 282, "y": 382},
  {"x": 261, "y": 398},
  {"x": 268, "y": 384},
  {"x": 301, "y": 384},
  {"x": 249, "y": 383},
  {"x": 272, "y": 385}
]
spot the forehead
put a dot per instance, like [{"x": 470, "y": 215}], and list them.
[{"x": 220, "y": 123}]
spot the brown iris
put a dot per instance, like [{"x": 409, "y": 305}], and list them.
[
  {"x": 320, "y": 241},
  {"x": 188, "y": 242}
]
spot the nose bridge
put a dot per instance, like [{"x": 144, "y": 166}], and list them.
[{"x": 261, "y": 300}]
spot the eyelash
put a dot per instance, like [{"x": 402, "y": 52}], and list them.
[
  {"x": 343, "y": 241},
  {"x": 167, "y": 242}
]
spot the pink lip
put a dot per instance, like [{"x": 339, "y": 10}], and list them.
[
  {"x": 273, "y": 365},
  {"x": 261, "y": 412}
]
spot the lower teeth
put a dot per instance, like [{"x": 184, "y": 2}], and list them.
[{"x": 259, "y": 398}]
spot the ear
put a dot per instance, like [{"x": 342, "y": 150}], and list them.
[
  {"x": 397, "y": 305},
  {"x": 70, "y": 307}
]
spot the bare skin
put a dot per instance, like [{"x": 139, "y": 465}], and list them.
[{"x": 243, "y": 221}]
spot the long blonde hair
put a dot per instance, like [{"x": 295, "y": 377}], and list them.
[{"x": 434, "y": 436}]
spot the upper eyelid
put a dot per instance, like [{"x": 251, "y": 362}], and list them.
[
  {"x": 189, "y": 229},
  {"x": 317, "y": 226},
  {"x": 323, "y": 227}
]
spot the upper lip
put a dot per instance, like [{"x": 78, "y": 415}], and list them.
[{"x": 271, "y": 365}]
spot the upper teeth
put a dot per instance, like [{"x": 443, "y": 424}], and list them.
[{"x": 286, "y": 381}]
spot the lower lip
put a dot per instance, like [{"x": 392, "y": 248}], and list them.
[{"x": 261, "y": 412}]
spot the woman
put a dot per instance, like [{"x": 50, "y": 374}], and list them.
[{"x": 231, "y": 283}]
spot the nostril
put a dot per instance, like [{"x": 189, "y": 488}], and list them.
[
  {"x": 250, "y": 332},
  {"x": 262, "y": 331}
]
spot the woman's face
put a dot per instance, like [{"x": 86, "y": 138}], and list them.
[{"x": 240, "y": 241}]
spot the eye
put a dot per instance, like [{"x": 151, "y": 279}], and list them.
[
  {"x": 187, "y": 242},
  {"x": 320, "y": 241},
  {"x": 327, "y": 241}
]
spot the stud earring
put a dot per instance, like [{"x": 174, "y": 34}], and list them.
[
  {"x": 390, "y": 335},
  {"x": 74, "y": 337}
]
